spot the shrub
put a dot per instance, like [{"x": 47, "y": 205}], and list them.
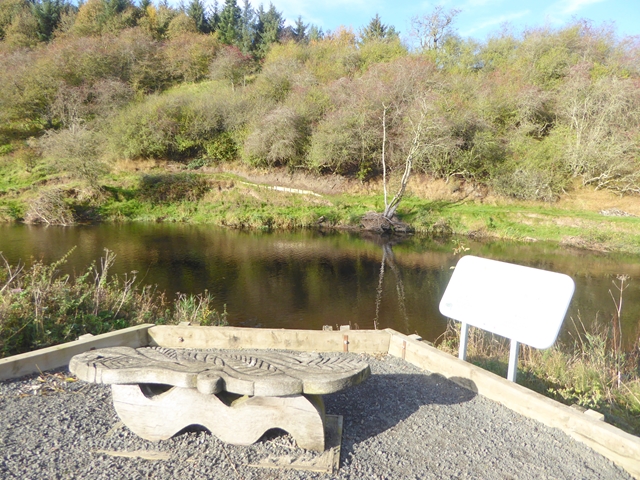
[
  {"x": 173, "y": 187},
  {"x": 187, "y": 56},
  {"x": 600, "y": 117},
  {"x": 230, "y": 65},
  {"x": 75, "y": 151},
  {"x": 179, "y": 124},
  {"x": 335, "y": 146},
  {"x": 374, "y": 52},
  {"x": 198, "y": 310},
  {"x": 51, "y": 208},
  {"x": 41, "y": 306},
  {"x": 222, "y": 148},
  {"x": 280, "y": 138}
]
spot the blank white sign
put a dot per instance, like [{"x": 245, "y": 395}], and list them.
[{"x": 521, "y": 303}]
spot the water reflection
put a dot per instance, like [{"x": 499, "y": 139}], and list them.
[{"x": 309, "y": 279}]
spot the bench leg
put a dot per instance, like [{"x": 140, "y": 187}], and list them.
[{"x": 158, "y": 415}]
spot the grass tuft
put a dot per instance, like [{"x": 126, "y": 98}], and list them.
[{"x": 40, "y": 307}]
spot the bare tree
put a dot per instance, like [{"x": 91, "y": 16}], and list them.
[
  {"x": 425, "y": 135},
  {"x": 417, "y": 128},
  {"x": 431, "y": 28}
]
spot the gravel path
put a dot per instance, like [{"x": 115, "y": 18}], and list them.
[{"x": 402, "y": 423}]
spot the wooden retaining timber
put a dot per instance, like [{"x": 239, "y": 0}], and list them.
[
  {"x": 357, "y": 341},
  {"x": 611, "y": 442},
  {"x": 60, "y": 355}
]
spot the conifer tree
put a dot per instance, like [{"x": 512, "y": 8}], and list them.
[
  {"x": 268, "y": 28},
  {"x": 47, "y": 14},
  {"x": 247, "y": 27},
  {"x": 214, "y": 18},
  {"x": 300, "y": 31},
  {"x": 196, "y": 11},
  {"x": 229, "y": 27},
  {"x": 315, "y": 33},
  {"x": 376, "y": 30}
]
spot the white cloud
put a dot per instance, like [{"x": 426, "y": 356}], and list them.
[
  {"x": 471, "y": 4},
  {"x": 495, "y": 21},
  {"x": 564, "y": 8},
  {"x": 568, "y": 7},
  {"x": 313, "y": 11},
  {"x": 558, "y": 12}
]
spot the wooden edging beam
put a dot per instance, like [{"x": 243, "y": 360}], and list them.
[
  {"x": 60, "y": 355},
  {"x": 620, "y": 447},
  {"x": 358, "y": 341}
]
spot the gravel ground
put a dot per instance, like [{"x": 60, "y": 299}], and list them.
[{"x": 402, "y": 423}]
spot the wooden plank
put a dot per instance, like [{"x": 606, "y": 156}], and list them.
[
  {"x": 360, "y": 341},
  {"x": 60, "y": 355},
  {"x": 615, "y": 444}
]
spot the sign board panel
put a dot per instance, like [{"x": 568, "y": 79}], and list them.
[{"x": 523, "y": 304}]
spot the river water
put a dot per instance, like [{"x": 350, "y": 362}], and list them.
[{"x": 308, "y": 279}]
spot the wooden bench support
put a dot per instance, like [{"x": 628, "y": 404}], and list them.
[{"x": 239, "y": 420}]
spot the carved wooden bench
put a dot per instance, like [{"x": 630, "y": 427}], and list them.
[{"x": 236, "y": 394}]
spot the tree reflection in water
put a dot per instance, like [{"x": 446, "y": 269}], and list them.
[{"x": 388, "y": 258}]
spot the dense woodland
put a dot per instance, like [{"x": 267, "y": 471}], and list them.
[{"x": 529, "y": 114}]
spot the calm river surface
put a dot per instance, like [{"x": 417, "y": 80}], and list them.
[{"x": 309, "y": 279}]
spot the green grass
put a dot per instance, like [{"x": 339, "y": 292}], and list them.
[
  {"x": 232, "y": 201},
  {"x": 589, "y": 373},
  {"x": 40, "y": 307}
]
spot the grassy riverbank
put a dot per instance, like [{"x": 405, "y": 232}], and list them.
[{"x": 278, "y": 199}]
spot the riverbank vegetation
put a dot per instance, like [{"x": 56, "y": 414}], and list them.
[
  {"x": 598, "y": 370},
  {"x": 40, "y": 307},
  {"x": 181, "y": 95}
]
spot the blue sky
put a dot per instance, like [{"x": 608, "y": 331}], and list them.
[{"x": 478, "y": 18}]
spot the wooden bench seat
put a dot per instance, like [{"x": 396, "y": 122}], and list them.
[{"x": 236, "y": 394}]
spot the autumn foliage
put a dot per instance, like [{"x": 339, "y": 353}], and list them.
[{"x": 529, "y": 115}]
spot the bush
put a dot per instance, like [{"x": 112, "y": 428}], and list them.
[
  {"x": 230, "y": 65},
  {"x": 222, "y": 148},
  {"x": 170, "y": 188},
  {"x": 50, "y": 208},
  {"x": 537, "y": 170},
  {"x": 280, "y": 138},
  {"x": 179, "y": 124},
  {"x": 75, "y": 151},
  {"x": 601, "y": 117},
  {"x": 187, "y": 56}
]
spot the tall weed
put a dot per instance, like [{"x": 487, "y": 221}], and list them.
[{"x": 40, "y": 306}]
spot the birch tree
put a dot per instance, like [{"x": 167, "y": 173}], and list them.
[{"x": 419, "y": 126}]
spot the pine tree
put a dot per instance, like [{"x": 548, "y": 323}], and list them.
[
  {"x": 229, "y": 27},
  {"x": 315, "y": 33},
  {"x": 196, "y": 11},
  {"x": 47, "y": 14},
  {"x": 376, "y": 30},
  {"x": 214, "y": 18},
  {"x": 268, "y": 28},
  {"x": 300, "y": 31},
  {"x": 247, "y": 28}
]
